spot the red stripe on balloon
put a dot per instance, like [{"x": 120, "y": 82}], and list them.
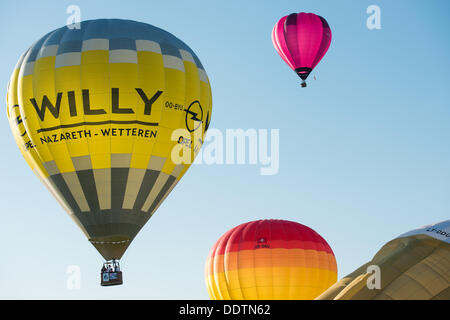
[{"x": 270, "y": 234}]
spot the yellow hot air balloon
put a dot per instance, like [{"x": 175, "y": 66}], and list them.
[
  {"x": 414, "y": 266},
  {"x": 109, "y": 116},
  {"x": 269, "y": 260}
]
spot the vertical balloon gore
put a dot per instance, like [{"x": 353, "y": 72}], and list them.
[{"x": 302, "y": 40}]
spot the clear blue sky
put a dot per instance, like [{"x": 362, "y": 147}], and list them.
[{"x": 364, "y": 150}]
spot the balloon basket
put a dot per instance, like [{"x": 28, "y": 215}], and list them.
[
  {"x": 111, "y": 274},
  {"x": 304, "y": 84}
]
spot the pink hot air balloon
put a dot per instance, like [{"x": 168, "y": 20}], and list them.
[{"x": 302, "y": 39}]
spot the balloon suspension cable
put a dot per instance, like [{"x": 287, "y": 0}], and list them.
[{"x": 303, "y": 84}]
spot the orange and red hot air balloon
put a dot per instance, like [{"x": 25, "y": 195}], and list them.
[
  {"x": 270, "y": 260},
  {"x": 302, "y": 40}
]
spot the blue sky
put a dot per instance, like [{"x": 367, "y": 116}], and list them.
[{"x": 364, "y": 150}]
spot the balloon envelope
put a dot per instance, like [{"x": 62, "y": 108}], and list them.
[
  {"x": 97, "y": 113},
  {"x": 269, "y": 259},
  {"x": 414, "y": 266},
  {"x": 302, "y": 40}
]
